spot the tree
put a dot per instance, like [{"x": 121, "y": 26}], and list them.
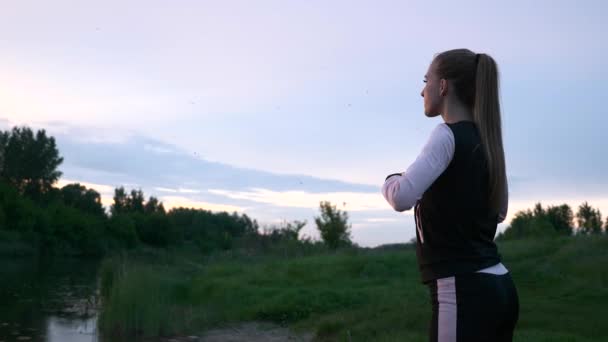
[
  {"x": 120, "y": 202},
  {"x": 525, "y": 226},
  {"x": 518, "y": 226},
  {"x": 135, "y": 202},
  {"x": 561, "y": 218},
  {"x": 3, "y": 142},
  {"x": 29, "y": 163},
  {"x": 539, "y": 222},
  {"x": 79, "y": 197},
  {"x": 153, "y": 206},
  {"x": 538, "y": 210},
  {"x": 333, "y": 225},
  {"x": 589, "y": 219}
]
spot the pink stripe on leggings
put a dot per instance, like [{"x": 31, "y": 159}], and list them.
[{"x": 446, "y": 296}]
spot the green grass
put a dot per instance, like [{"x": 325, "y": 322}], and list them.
[{"x": 350, "y": 295}]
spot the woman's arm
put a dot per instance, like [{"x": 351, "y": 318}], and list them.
[{"x": 402, "y": 191}]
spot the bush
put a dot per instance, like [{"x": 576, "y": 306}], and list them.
[
  {"x": 333, "y": 226},
  {"x": 121, "y": 229}
]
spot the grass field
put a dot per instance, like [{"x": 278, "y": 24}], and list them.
[{"x": 352, "y": 295}]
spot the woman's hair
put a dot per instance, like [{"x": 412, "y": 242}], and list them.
[{"x": 475, "y": 79}]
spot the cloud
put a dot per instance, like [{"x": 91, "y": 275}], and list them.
[
  {"x": 351, "y": 201},
  {"x": 180, "y": 190},
  {"x": 179, "y": 201},
  {"x": 151, "y": 163}
]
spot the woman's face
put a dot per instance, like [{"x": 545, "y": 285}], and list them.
[{"x": 432, "y": 92}]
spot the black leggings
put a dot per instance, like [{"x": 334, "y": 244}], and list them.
[{"x": 473, "y": 307}]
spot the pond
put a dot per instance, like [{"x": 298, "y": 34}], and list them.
[{"x": 46, "y": 299}]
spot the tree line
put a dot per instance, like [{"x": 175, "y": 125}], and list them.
[
  {"x": 555, "y": 221},
  {"x": 37, "y": 217}
]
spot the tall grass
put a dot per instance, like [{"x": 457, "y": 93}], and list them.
[{"x": 355, "y": 294}]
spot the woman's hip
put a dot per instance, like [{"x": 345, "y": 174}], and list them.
[{"x": 473, "y": 306}]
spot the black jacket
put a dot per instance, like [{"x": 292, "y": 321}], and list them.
[{"x": 453, "y": 215}]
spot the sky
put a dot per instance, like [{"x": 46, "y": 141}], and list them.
[{"x": 269, "y": 107}]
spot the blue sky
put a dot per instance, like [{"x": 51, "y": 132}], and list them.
[{"x": 269, "y": 107}]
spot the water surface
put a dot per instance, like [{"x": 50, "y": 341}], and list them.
[{"x": 48, "y": 299}]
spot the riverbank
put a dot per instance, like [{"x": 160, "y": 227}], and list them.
[{"x": 356, "y": 294}]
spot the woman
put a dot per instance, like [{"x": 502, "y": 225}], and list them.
[{"x": 458, "y": 188}]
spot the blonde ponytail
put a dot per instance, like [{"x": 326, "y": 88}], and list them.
[
  {"x": 475, "y": 78},
  {"x": 486, "y": 114}
]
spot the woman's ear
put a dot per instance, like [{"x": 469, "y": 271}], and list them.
[{"x": 443, "y": 87}]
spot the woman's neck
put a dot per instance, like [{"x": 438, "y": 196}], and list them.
[{"x": 455, "y": 111}]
